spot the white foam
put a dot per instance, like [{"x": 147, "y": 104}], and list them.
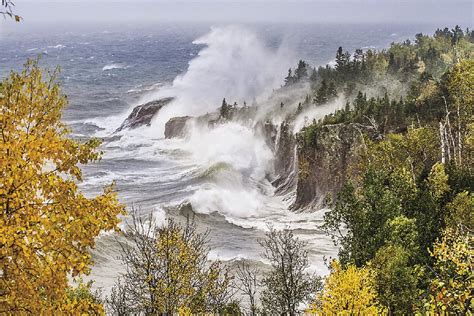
[
  {"x": 236, "y": 189},
  {"x": 114, "y": 66},
  {"x": 59, "y": 46},
  {"x": 235, "y": 63}
]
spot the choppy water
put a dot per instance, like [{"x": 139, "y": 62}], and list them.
[{"x": 223, "y": 172}]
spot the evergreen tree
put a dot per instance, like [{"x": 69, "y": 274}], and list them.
[
  {"x": 332, "y": 92},
  {"x": 457, "y": 34},
  {"x": 225, "y": 109},
  {"x": 392, "y": 64},
  {"x": 290, "y": 79},
  {"x": 322, "y": 93},
  {"x": 301, "y": 71},
  {"x": 340, "y": 59}
]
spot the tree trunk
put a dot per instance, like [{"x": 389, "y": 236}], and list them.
[{"x": 443, "y": 146}]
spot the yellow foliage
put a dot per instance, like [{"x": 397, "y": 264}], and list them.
[
  {"x": 349, "y": 291},
  {"x": 461, "y": 211},
  {"x": 46, "y": 224},
  {"x": 438, "y": 180},
  {"x": 451, "y": 290}
]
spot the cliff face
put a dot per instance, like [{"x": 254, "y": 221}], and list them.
[
  {"x": 285, "y": 159},
  {"x": 281, "y": 140},
  {"x": 324, "y": 164},
  {"x": 176, "y": 126}
]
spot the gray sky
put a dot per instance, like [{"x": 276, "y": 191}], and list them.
[{"x": 439, "y": 12}]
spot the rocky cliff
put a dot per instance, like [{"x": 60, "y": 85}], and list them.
[
  {"x": 324, "y": 161},
  {"x": 285, "y": 159},
  {"x": 143, "y": 114},
  {"x": 312, "y": 167},
  {"x": 176, "y": 126}
]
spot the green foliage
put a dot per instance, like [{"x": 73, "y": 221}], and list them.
[
  {"x": 395, "y": 210},
  {"x": 300, "y": 73},
  {"x": 438, "y": 181},
  {"x": 461, "y": 211},
  {"x": 396, "y": 280},
  {"x": 225, "y": 110},
  {"x": 420, "y": 65},
  {"x": 403, "y": 232},
  {"x": 365, "y": 213},
  {"x": 301, "y": 70}
]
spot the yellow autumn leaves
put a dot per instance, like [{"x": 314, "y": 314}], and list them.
[
  {"x": 349, "y": 291},
  {"x": 46, "y": 225}
]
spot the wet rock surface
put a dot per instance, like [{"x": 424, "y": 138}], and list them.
[
  {"x": 143, "y": 114},
  {"x": 176, "y": 126}
]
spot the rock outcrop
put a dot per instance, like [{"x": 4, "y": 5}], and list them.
[
  {"x": 324, "y": 165},
  {"x": 285, "y": 163},
  {"x": 176, "y": 126},
  {"x": 143, "y": 114},
  {"x": 281, "y": 140}
]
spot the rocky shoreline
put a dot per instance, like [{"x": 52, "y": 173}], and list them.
[{"x": 312, "y": 171}]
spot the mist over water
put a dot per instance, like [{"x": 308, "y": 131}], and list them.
[
  {"x": 232, "y": 163},
  {"x": 234, "y": 64}
]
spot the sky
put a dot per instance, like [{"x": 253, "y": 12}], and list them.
[{"x": 439, "y": 12}]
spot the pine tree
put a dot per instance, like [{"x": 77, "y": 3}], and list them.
[
  {"x": 290, "y": 79},
  {"x": 301, "y": 71},
  {"x": 322, "y": 94},
  {"x": 224, "y": 111},
  {"x": 339, "y": 58}
]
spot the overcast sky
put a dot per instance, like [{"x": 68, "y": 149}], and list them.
[{"x": 439, "y": 12}]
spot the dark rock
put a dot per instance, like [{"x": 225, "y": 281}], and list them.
[
  {"x": 285, "y": 163},
  {"x": 143, "y": 114},
  {"x": 324, "y": 165},
  {"x": 269, "y": 131},
  {"x": 176, "y": 126},
  {"x": 283, "y": 143}
]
